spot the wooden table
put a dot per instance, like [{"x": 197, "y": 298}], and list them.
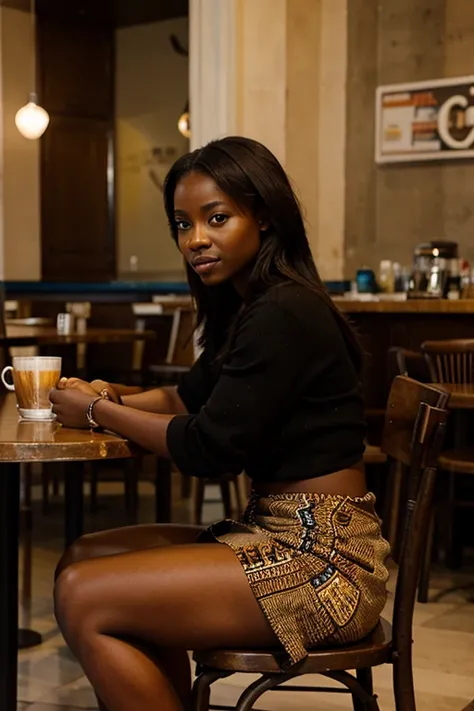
[
  {"x": 23, "y": 442},
  {"x": 461, "y": 396},
  {"x": 24, "y": 335}
]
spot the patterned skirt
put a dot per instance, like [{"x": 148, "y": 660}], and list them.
[{"x": 316, "y": 565}]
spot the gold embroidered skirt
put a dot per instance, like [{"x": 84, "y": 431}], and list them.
[{"x": 316, "y": 565}]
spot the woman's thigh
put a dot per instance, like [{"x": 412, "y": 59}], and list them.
[
  {"x": 191, "y": 596},
  {"x": 127, "y": 539}
]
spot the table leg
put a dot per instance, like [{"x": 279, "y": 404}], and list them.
[
  {"x": 74, "y": 501},
  {"x": 26, "y": 637},
  {"x": 456, "y": 523},
  {"x": 9, "y": 533},
  {"x": 163, "y": 490}
]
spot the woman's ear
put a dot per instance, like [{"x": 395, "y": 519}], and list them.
[{"x": 263, "y": 223}]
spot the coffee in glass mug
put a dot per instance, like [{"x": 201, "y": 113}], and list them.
[{"x": 33, "y": 378}]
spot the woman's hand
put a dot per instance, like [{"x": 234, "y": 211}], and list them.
[
  {"x": 77, "y": 384},
  {"x": 70, "y": 405},
  {"x": 96, "y": 387}
]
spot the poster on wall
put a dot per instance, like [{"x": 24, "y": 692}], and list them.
[{"x": 430, "y": 120}]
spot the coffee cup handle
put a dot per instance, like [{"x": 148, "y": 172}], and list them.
[{"x": 9, "y": 386}]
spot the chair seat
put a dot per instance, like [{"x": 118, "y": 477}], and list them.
[
  {"x": 459, "y": 461},
  {"x": 168, "y": 369},
  {"x": 373, "y": 650},
  {"x": 374, "y": 455}
]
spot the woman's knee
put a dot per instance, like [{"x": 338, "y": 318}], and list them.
[
  {"x": 79, "y": 603},
  {"x": 77, "y": 551},
  {"x": 68, "y": 598}
]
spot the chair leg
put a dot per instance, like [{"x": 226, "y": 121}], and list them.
[
  {"x": 55, "y": 482},
  {"x": 131, "y": 477},
  {"x": 226, "y": 501},
  {"x": 253, "y": 692},
  {"x": 199, "y": 501},
  {"x": 45, "y": 481},
  {"x": 453, "y": 551},
  {"x": 186, "y": 486},
  {"x": 93, "y": 481},
  {"x": 403, "y": 687},
  {"x": 364, "y": 677},
  {"x": 426, "y": 556},
  {"x": 202, "y": 689},
  {"x": 238, "y": 498}
]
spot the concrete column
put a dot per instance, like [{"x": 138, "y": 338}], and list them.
[
  {"x": 262, "y": 72},
  {"x": 361, "y": 177},
  {"x": 275, "y": 70},
  {"x": 303, "y": 110},
  {"x": 212, "y": 69},
  {"x": 329, "y": 243}
]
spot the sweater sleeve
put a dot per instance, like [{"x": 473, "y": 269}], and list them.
[
  {"x": 195, "y": 386},
  {"x": 255, "y": 388}
]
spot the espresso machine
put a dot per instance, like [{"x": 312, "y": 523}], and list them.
[{"x": 435, "y": 269}]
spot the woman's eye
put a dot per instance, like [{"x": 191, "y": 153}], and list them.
[
  {"x": 218, "y": 219},
  {"x": 182, "y": 225}
]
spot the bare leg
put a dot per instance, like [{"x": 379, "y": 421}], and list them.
[
  {"x": 127, "y": 539},
  {"x": 175, "y": 662},
  {"x": 112, "y": 610}
]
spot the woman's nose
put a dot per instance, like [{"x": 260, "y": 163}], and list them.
[{"x": 199, "y": 238}]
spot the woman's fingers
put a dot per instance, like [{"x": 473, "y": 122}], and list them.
[{"x": 99, "y": 385}]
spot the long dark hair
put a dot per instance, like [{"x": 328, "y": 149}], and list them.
[{"x": 253, "y": 178}]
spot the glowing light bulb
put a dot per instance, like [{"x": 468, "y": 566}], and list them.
[
  {"x": 184, "y": 124},
  {"x": 32, "y": 120}
]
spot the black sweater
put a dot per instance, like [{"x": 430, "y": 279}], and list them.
[{"x": 284, "y": 406}]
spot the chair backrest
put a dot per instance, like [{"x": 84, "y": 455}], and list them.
[
  {"x": 450, "y": 361},
  {"x": 405, "y": 362},
  {"x": 181, "y": 345},
  {"x": 413, "y": 436}
]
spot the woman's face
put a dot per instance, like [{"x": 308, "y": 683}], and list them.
[{"x": 217, "y": 239}]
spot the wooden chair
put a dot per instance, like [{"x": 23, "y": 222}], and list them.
[
  {"x": 413, "y": 435},
  {"x": 226, "y": 486},
  {"x": 400, "y": 361},
  {"x": 453, "y": 362},
  {"x": 450, "y": 361}
]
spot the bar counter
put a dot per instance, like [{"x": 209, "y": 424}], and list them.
[
  {"x": 383, "y": 324},
  {"x": 406, "y": 306}
]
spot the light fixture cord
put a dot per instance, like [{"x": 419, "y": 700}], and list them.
[{"x": 33, "y": 50}]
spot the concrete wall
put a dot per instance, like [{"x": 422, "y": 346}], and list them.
[
  {"x": 290, "y": 84},
  {"x": 151, "y": 91},
  {"x": 390, "y": 209},
  {"x": 20, "y": 255}
]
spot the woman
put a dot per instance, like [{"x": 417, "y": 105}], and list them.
[{"x": 275, "y": 393}]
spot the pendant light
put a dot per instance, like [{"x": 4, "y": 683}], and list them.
[
  {"x": 32, "y": 120},
  {"x": 184, "y": 122}
]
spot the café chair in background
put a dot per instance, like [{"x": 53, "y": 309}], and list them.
[{"x": 452, "y": 362}]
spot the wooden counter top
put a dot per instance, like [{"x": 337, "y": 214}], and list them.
[
  {"x": 410, "y": 306},
  {"x": 26, "y": 441}
]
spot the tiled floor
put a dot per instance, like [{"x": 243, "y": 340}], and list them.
[{"x": 50, "y": 679}]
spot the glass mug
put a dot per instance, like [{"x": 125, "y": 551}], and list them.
[{"x": 33, "y": 378}]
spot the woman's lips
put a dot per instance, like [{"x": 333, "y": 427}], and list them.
[{"x": 206, "y": 267}]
